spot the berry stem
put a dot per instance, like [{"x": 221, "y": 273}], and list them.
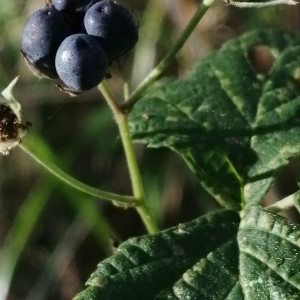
[
  {"x": 121, "y": 118},
  {"x": 28, "y": 147},
  {"x": 165, "y": 62},
  {"x": 242, "y": 4}
]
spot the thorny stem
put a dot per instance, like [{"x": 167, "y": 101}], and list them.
[
  {"x": 165, "y": 62},
  {"x": 135, "y": 176}
]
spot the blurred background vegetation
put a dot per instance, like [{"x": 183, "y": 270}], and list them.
[{"x": 52, "y": 237}]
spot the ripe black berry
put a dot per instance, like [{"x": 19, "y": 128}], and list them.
[
  {"x": 74, "y": 10},
  {"x": 114, "y": 26},
  {"x": 81, "y": 63},
  {"x": 43, "y": 33}
]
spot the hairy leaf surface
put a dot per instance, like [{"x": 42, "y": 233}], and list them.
[
  {"x": 269, "y": 256},
  {"x": 234, "y": 121},
  {"x": 188, "y": 259},
  {"x": 211, "y": 258}
]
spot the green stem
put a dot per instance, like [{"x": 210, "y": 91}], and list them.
[
  {"x": 165, "y": 62},
  {"x": 49, "y": 166},
  {"x": 136, "y": 181},
  {"x": 242, "y": 4}
]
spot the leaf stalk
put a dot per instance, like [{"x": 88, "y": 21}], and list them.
[{"x": 78, "y": 185}]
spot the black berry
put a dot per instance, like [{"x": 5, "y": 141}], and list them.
[
  {"x": 114, "y": 26},
  {"x": 43, "y": 33},
  {"x": 74, "y": 10},
  {"x": 81, "y": 63}
]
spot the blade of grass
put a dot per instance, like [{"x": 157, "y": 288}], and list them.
[
  {"x": 20, "y": 232},
  {"x": 149, "y": 33},
  {"x": 60, "y": 258}
]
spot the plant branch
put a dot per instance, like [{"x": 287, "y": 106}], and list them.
[
  {"x": 165, "y": 62},
  {"x": 135, "y": 176},
  {"x": 259, "y": 4},
  {"x": 78, "y": 185}
]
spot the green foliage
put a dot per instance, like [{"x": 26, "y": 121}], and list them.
[
  {"x": 234, "y": 126},
  {"x": 212, "y": 257},
  {"x": 234, "y": 121},
  {"x": 182, "y": 259},
  {"x": 269, "y": 256}
]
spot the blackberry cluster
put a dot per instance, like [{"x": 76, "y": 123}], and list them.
[{"x": 76, "y": 40}]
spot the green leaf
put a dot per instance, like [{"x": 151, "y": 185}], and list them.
[
  {"x": 269, "y": 256},
  {"x": 197, "y": 259},
  {"x": 210, "y": 258},
  {"x": 235, "y": 125},
  {"x": 297, "y": 201}
]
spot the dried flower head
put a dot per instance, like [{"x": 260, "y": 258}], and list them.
[{"x": 11, "y": 130}]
